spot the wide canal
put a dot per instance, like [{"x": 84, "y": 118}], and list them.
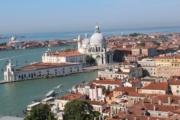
[{"x": 14, "y": 97}]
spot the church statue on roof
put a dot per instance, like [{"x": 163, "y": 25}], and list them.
[{"x": 96, "y": 47}]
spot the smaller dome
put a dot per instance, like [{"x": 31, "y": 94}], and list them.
[{"x": 85, "y": 41}]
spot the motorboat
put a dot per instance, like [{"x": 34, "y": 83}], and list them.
[
  {"x": 36, "y": 100},
  {"x": 60, "y": 86}
]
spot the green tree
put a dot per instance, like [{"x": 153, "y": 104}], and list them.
[
  {"x": 40, "y": 112},
  {"x": 141, "y": 44},
  {"x": 67, "y": 50},
  {"x": 90, "y": 59},
  {"x": 79, "y": 110},
  {"x": 156, "y": 43}
]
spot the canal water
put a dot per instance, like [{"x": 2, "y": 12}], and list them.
[{"x": 14, "y": 97}]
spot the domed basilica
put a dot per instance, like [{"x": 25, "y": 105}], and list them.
[{"x": 96, "y": 47}]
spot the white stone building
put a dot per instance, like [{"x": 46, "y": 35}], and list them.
[
  {"x": 39, "y": 70},
  {"x": 148, "y": 66},
  {"x": 96, "y": 47},
  {"x": 62, "y": 100},
  {"x": 72, "y": 56},
  {"x": 121, "y": 71},
  {"x": 15, "y": 44}
]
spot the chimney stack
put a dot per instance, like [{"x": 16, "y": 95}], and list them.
[
  {"x": 134, "y": 118},
  {"x": 175, "y": 117},
  {"x": 154, "y": 108},
  {"x": 169, "y": 100},
  {"x": 159, "y": 102}
]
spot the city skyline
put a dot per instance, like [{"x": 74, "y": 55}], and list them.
[{"x": 58, "y": 16}]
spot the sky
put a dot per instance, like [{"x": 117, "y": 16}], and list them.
[{"x": 31, "y": 16}]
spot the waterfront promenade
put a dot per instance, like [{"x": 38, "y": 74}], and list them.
[{"x": 85, "y": 69}]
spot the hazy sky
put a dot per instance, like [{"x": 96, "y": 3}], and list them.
[{"x": 26, "y": 16}]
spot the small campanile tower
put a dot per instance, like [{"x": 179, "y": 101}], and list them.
[
  {"x": 79, "y": 42},
  {"x": 9, "y": 74}
]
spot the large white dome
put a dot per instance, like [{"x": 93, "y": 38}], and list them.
[{"x": 97, "y": 37}]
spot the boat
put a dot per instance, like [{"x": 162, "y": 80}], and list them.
[
  {"x": 59, "y": 86},
  {"x": 50, "y": 94},
  {"x": 36, "y": 100},
  {"x": 61, "y": 91}
]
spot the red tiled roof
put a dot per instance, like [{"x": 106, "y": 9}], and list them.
[
  {"x": 156, "y": 86},
  {"x": 96, "y": 102},
  {"x": 107, "y": 81},
  {"x": 110, "y": 94},
  {"x": 42, "y": 65},
  {"x": 71, "y": 96},
  {"x": 126, "y": 89},
  {"x": 174, "y": 82}
]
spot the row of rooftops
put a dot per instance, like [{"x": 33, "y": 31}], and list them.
[{"x": 148, "y": 102}]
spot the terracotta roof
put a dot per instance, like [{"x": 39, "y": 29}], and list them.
[
  {"x": 96, "y": 102},
  {"x": 126, "y": 89},
  {"x": 134, "y": 80},
  {"x": 174, "y": 82},
  {"x": 93, "y": 86},
  {"x": 71, "y": 96},
  {"x": 107, "y": 81},
  {"x": 156, "y": 86},
  {"x": 41, "y": 65},
  {"x": 168, "y": 57},
  {"x": 122, "y": 72},
  {"x": 164, "y": 99},
  {"x": 136, "y": 94},
  {"x": 110, "y": 94}
]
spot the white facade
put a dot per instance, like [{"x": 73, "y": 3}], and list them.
[
  {"x": 96, "y": 47},
  {"x": 56, "y": 57},
  {"x": 16, "y": 44},
  {"x": 149, "y": 67},
  {"x": 32, "y": 71}
]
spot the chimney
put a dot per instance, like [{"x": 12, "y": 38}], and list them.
[
  {"x": 175, "y": 117},
  {"x": 159, "y": 102},
  {"x": 151, "y": 101},
  {"x": 148, "y": 118},
  {"x": 169, "y": 100},
  {"x": 154, "y": 108},
  {"x": 134, "y": 118}
]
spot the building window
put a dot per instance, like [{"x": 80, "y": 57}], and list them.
[
  {"x": 177, "y": 91},
  {"x": 109, "y": 98},
  {"x": 159, "y": 114}
]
